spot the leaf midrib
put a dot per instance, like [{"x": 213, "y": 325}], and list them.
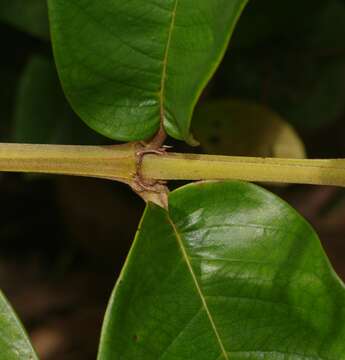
[
  {"x": 165, "y": 63},
  {"x": 198, "y": 287}
]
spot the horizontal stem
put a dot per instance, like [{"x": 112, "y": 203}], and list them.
[
  {"x": 119, "y": 162},
  {"x": 208, "y": 167},
  {"x": 111, "y": 162}
]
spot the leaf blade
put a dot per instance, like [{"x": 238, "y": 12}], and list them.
[
  {"x": 260, "y": 267},
  {"x": 190, "y": 315},
  {"x": 129, "y": 67},
  {"x": 14, "y": 342},
  {"x": 199, "y": 290}
]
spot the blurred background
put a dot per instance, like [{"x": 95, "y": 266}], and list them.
[{"x": 280, "y": 91}]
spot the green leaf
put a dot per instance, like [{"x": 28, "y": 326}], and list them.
[
  {"x": 244, "y": 128},
  {"x": 27, "y": 15},
  {"x": 14, "y": 343},
  {"x": 127, "y": 66},
  {"x": 42, "y": 114},
  {"x": 230, "y": 272}
]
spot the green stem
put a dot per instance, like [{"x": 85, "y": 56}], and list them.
[
  {"x": 208, "y": 167},
  {"x": 110, "y": 162},
  {"x": 119, "y": 163}
]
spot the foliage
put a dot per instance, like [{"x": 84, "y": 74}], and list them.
[
  {"x": 14, "y": 343},
  {"x": 234, "y": 278},
  {"x": 227, "y": 270},
  {"x": 124, "y": 61}
]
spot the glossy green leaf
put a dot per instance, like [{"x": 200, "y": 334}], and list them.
[
  {"x": 42, "y": 114},
  {"x": 245, "y": 128},
  {"x": 127, "y": 66},
  {"x": 14, "y": 343},
  {"x": 27, "y": 15},
  {"x": 230, "y": 272}
]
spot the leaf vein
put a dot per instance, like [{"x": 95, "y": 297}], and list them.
[
  {"x": 198, "y": 288},
  {"x": 165, "y": 62}
]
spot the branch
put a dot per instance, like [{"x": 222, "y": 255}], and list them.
[
  {"x": 119, "y": 162},
  {"x": 174, "y": 166},
  {"x": 116, "y": 162}
]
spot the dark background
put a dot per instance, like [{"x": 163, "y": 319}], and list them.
[{"x": 63, "y": 240}]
